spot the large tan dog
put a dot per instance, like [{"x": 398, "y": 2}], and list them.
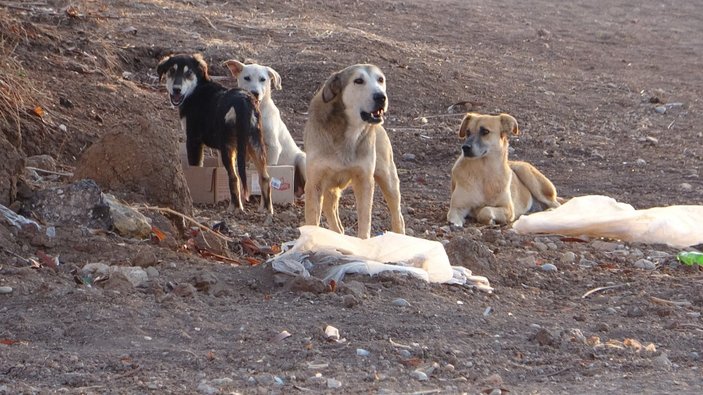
[
  {"x": 485, "y": 184},
  {"x": 346, "y": 144}
]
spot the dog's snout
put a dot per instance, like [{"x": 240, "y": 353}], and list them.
[
  {"x": 255, "y": 92},
  {"x": 379, "y": 98},
  {"x": 466, "y": 149},
  {"x": 176, "y": 90}
]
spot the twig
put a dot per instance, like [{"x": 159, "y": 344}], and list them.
[
  {"x": 210, "y": 23},
  {"x": 187, "y": 218},
  {"x": 594, "y": 290},
  {"x": 15, "y": 255},
  {"x": 558, "y": 372},
  {"x": 60, "y": 173},
  {"x": 398, "y": 344},
  {"x": 683, "y": 303}
]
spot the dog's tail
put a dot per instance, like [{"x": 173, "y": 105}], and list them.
[
  {"x": 299, "y": 179},
  {"x": 242, "y": 164}
]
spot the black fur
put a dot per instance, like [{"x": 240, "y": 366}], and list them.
[{"x": 205, "y": 110}]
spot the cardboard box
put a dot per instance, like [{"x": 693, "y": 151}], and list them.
[{"x": 209, "y": 184}]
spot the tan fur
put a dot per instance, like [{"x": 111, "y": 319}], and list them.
[
  {"x": 343, "y": 150},
  {"x": 485, "y": 184}
]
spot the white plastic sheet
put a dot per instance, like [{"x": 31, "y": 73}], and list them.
[
  {"x": 421, "y": 258},
  {"x": 602, "y": 216}
]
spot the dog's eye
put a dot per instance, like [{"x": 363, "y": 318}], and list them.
[
  {"x": 359, "y": 81},
  {"x": 484, "y": 131},
  {"x": 247, "y": 78},
  {"x": 188, "y": 74},
  {"x": 262, "y": 79},
  {"x": 380, "y": 80}
]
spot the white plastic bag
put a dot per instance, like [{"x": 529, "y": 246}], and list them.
[{"x": 602, "y": 216}]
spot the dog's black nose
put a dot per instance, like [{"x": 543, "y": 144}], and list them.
[
  {"x": 176, "y": 91},
  {"x": 379, "y": 98},
  {"x": 466, "y": 149},
  {"x": 255, "y": 93}
]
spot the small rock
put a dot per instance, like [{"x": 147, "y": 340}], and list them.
[
  {"x": 401, "y": 302},
  {"x": 587, "y": 262},
  {"x": 127, "y": 221},
  {"x": 606, "y": 246},
  {"x": 151, "y": 272},
  {"x": 573, "y": 335},
  {"x": 63, "y": 128},
  {"x": 568, "y": 257},
  {"x": 548, "y": 267},
  {"x": 544, "y": 338},
  {"x": 684, "y": 186},
  {"x": 362, "y": 353},
  {"x": 660, "y": 109},
  {"x": 221, "y": 382},
  {"x": 652, "y": 140},
  {"x": 349, "y": 301},
  {"x": 205, "y": 388},
  {"x": 204, "y": 281},
  {"x": 145, "y": 258},
  {"x": 184, "y": 290},
  {"x": 419, "y": 375},
  {"x": 663, "y": 362},
  {"x": 409, "y": 157},
  {"x": 5, "y": 290},
  {"x": 95, "y": 269},
  {"x": 405, "y": 353},
  {"x": 136, "y": 275},
  {"x": 645, "y": 264},
  {"x": 611, "y": 310},
  {"x": 529, "y": 261},
  {"x": 540, "y": 246},
  {"x": 640, "y": 162},
  {"x": 333, "y": 383}
]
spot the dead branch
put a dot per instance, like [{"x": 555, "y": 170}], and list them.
[
  {"x": 599, "y": 289},
  {"x": 187, "y": 218},
  {"x": 59, "y": 173},
  {"x": 683, "y": 303}
]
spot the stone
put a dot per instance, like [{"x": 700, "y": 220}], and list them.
[
  {"x": 145, "y": 258},
  {"x": 79, "y": 203},
  {"x": 419, "y": 375},
  {"x": 544, "y": 338},
  {"x": 95, "y": 270},
  {"x": 660, "y": 109},
  {"x": 127, "y": 221},
  {"x": 539, "y": 246},
  {"x": 204, "y": 281},
  {"x": 349, "y": 301},
  {"x": 606, "y": 246},
  {"x": 136, "y": 275},
  {"x": 548, "y": 267},
  {"x": 151, "y": 272},
  {"x": 409, "y": 157},
  {"x": 645, "y": 264},
  {"x": 568, "y": 257},
  {"x": 401, "y": 302},
  {"x": 662, "y": 362},
  {"x": 333, "y": 383},
  {"x": 5, "y": 290}
]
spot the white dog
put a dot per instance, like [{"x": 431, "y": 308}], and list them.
[{"x": 281, "y": 148}]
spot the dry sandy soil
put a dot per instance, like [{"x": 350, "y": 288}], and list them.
[{"x": 607, "y": 94}]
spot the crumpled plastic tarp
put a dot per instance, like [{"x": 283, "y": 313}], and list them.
[
  {"x": 424, "y": 259},
  {"x": 603, "y": 216}
]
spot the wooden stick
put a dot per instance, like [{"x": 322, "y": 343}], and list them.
[
  {"x": 60, "y": 173},
  {"x": 683, "y": 303},
  {"x": 187, "y": 218},
  {"x": 594, "y": 290}
]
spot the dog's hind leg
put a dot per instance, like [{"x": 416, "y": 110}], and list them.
[
  {"x": 537, "y": 183},
  {"x": 259, "y": 160},
  {"x": 495, "y": 215},
  {"x": 390, "y": 188},
  {"x": 230, "y": 163}
]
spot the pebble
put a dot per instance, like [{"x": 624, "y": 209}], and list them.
[
  {"x": 660, "y": 109},
  {"x": 5, "y": 290},
  {"x": 405, "y": 354},
  {"x": 409, "y": 157},
  {"x": 640, "y": 162},
  {"x": 401, "y": 302},
  {"x": 540, "y": 246},
  {"x": 587, "y": 262},
  {"x": 610, "y": 310},
  {"x": 419, "y": 375},
  {"x": 685, "y": 186},
  {"x": 334, "y": 383},
  {"x": 205, "y": 388},
  {"x": 63, "y": 128},
  {"x": 645, "y": 264},
  {"x": 548, "y": 267},
  {"x": 568, "y": 257},
  {"x": 606, "y": 246},
  {"x": 652, "y": 140},
  {"x": 663, "y": 362},
  {"x": 528, "y": 261},
  {"x": 362, "y": 353},
  {"x": 658, "y": 254},
  {"x": 151, "y": 272},
  {"x": 349, "y": 301}
]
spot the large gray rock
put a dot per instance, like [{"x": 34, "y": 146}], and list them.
[
  {"x": 80, "y": 203},
  {"x": 126, "y": 221}
]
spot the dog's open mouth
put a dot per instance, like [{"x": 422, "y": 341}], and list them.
[
  {"x": 373, "y": 117},
  {"x": 176, "y": 99}
]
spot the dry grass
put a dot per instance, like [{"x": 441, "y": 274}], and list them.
[{"x": 18, "y": 94}]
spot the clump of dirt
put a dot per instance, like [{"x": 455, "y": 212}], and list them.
[{"x": 138, "y": 162}]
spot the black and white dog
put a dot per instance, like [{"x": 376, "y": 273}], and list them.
[{"x": 225, "y": 119}]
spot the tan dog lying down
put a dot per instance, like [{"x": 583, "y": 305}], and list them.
[
  {"x": 346, "y": 144},
  {"x": 485, "y": 184}
]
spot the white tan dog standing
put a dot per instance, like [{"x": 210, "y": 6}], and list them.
[{"x": 281, "y": 148}]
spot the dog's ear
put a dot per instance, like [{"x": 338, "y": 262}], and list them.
[
  {"x": 275, "y": 78},
  {"x": 332, "y": 87},
  {"x": 164, "y": 64},
  {"x": 508, "y": 124},
  {"x": 203, "y": 66},
  {"x": 465, "y": 124},
  {"x": 235, "y": 67}
]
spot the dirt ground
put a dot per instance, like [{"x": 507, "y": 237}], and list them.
[{"x": 608, "y": 98}]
